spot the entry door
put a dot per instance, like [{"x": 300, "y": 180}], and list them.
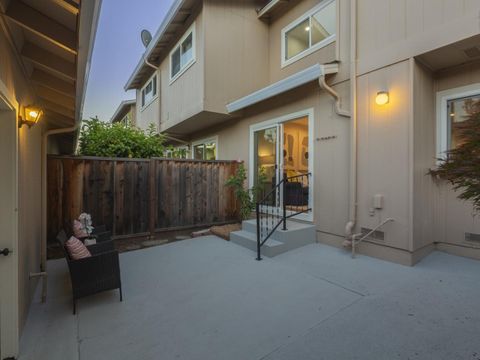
[
  {"x": 266, "y": 157},
  {"x": 8, "y": 232}
]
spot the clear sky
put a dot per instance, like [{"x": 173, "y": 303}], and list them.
[{"x": 117, "y": 50}]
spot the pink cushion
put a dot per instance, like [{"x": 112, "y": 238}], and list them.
[
  {"x": 76, "y": 249},
  {"x": 79, "y": 229}
]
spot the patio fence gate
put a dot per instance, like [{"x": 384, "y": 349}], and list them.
[{"x": 139, "y": 197}]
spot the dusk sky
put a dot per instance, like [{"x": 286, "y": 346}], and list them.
[{"x": 117, "y": 51}]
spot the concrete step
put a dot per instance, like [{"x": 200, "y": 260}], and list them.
[
  {"x": 249, "y": 240},
  {"x": 298, "y": 233}
]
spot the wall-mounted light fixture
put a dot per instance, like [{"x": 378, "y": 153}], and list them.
[
  {"x": 31, "y": 116},
  {"x": 383, "y": 98}
]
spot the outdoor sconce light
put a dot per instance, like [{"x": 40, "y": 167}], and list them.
[
  {"x": 383, "y": 98},
  {"x": 31, "y": 116}
]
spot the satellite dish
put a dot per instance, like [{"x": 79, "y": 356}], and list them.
[{"x": 146, "y": 37}]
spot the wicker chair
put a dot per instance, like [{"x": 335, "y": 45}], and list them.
[{"x": 98, "y": 273}]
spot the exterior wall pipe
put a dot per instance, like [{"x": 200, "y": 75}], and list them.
[
  {"x": 145, "y": 60},
  {"x": 334, "y": 94},
  {"x": 354, "y": 125},
  {"x": 43, "y": 245},
  {"x": 350, "y": 225}
]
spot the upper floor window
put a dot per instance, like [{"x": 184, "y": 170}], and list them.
[
  {"x": 183, "y": 54},
  {"x": 149, "y": 91},
  {"x": 454, "y": 107},
  {"x": 312, "y": 31},
  {"x": 205, "y": 149}
]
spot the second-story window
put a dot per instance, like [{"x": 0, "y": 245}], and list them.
[
  {"x": 149, "y": 91},
  {"x": 183, "y": 54},
  {"x": 312, "y": 31}
]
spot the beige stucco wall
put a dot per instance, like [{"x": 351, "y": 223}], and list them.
[
  {"x": 451, "y": 216},
  {"x": 236, "y": 52},
  {"x": 392, "y": 31},
  {"x": 384, "y": 153},
  {"x": 331, "y": 157},
  {"x": 29, "y": 178},
  {"x": 292, "y": 12},
  {"x": 148, "y": 114},
  {"x": 185, "y": 96}
]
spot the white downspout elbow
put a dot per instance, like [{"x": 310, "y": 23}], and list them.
[{"x": 338, "y": 103}]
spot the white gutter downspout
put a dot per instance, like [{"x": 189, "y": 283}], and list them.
[
  {"x": 145, "y": 60},
  {"x": 351, "y": 114},
  {"x": 43, "y": 248},
  {"x": 354, "y": 125}
]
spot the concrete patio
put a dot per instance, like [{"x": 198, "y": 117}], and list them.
[{"x": 206, "y": 298}]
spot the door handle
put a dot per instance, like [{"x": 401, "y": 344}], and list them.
[{"x": 5, "y": 252}]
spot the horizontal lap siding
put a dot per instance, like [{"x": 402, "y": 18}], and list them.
[{"x": 139, "y": 197}]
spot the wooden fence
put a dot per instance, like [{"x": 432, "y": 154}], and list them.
[{"x": 139, "y": 197}]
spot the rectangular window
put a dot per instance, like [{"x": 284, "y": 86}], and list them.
[
  {"x": 205, "y": 150},
  {"x": 309, "y": 33},
  {"x": 459, "y": 111},
  {"x": 454, "y": 108},
  {"x": 183, "y": 54},
  {"x": 149, "y": 91}
]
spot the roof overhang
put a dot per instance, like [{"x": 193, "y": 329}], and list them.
[
  {"x": 122, "y": 110},
  {"x": 301, "y": 78},
  {"x": 53, "y": 42},
  {"x": 270, "y": 7},
  {"x": 176, "y": 18}
]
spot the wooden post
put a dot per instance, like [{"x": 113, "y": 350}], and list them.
[{"x": 152, "y": 198}]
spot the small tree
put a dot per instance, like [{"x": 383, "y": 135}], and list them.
[
  {"x": 246, "y": 197},
  {"x": 98, "y": 138},
  {"x": 461, "y": 167}
]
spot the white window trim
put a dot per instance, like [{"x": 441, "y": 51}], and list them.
[
  {"x": 203, "y": 141},
  {"x": 147, "y": 103},
  {"x": 311, "y": 158},
  {"x": 442, "y": 114},
  {"x": 191, "y": 30},
  {"x": 313, "y": 48}
]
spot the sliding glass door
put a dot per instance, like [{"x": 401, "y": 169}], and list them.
[{"x": 283, "y": 149}]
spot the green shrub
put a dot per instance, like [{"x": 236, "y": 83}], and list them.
[
  {"x": 246, "y": 197},
  {"x": 461, "y": 167},
  {"x": 98, "y": 138}
]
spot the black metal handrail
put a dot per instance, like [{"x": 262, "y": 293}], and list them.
[{"x": 293, "y": 192}]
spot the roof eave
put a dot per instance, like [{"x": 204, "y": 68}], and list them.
[
  {"x": 172, "y": 12},
  {"x": 300, "y": 78}
]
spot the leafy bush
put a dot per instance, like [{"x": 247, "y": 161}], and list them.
[
  {"x": 246, "y": 197},
  {"x": 98, "y": 138},
  {"x": 461, "y": 167}
]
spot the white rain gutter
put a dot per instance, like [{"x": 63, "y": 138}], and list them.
[
  {"x": 354, "y": 125},
  {"x": 43, "y": 246},
  {"x": 350, "y": 225}
]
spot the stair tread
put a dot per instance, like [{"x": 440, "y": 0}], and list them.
[{"x": 253, "y": 237}]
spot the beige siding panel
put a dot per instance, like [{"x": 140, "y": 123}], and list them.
[
  {"x": 384, "y": 152},
  {"x": 424, "y": 157},
  {"x": 236, "y": 52},
  {"x": 414, "y": 19},
  {"x": 331, "y": 162},
  {"x": 150, "y": 114},
  {"x": 29, "y": 173},
  {"x": 397, "y": 20},
  {"x": 322, "y": 56},
  {"x": 454, "y": 217},
  {"x": 413, "y": 28},
  {"x": 185, "y": 96}
]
